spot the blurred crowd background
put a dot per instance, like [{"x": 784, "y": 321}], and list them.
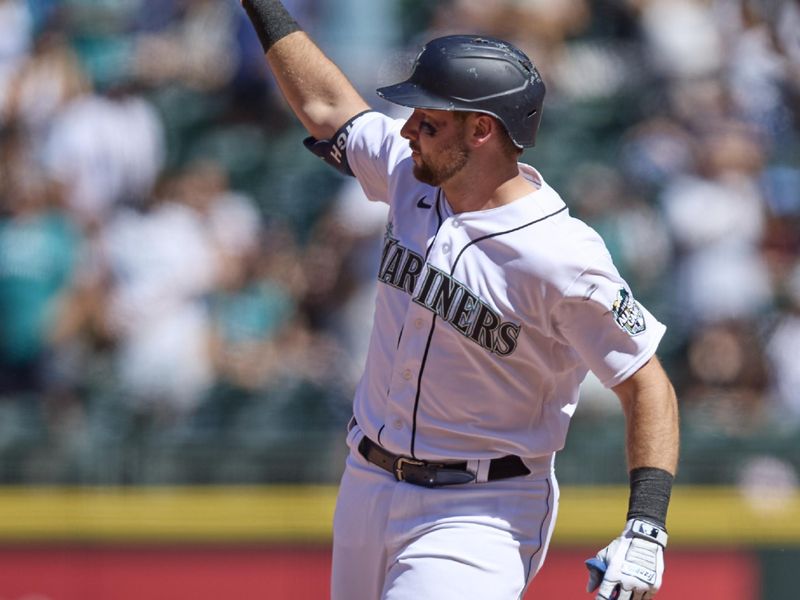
[{"x": 186, "y": 292}]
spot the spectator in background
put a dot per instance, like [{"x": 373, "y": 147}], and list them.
[
  {"x": 275, "y": 369},
  {"x": 655, "y": 151},
  {"x": 716, "y": 216},
  {"x": 762, "y": 69},
  {"x": 251, "y": 316},
  {"x": 231, "y": 217},
  {"x": 49, "y": 79},
  {"x": 682, "y": 38},
  {"x": 249, "y": 311},
  {"x": 635, "y": 233},
  {"x": 726, "y": 387},
  {"x": 348, "y": 239},
  {"x": 198, "y": 49},
  {"x": 161, "y": 264},
  {"x": 39, "y": 246},
  {"x": 540, "y": 28},
  {"x": 107, "y": 145},
  {"x": 783, "y": 353},
  {"x": 16, "y": 38},
  {"x": 105, "y": 150}
]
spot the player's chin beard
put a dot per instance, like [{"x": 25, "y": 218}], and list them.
[{"x": 453, "y": 160}]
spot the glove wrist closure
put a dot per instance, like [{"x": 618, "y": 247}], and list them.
[{"x": 643, "y": 529}]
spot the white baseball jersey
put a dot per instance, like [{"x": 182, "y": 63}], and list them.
[{"x": 486, "y": 322}]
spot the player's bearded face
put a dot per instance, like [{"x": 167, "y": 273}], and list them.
[
  {"x": 437, "y": 168},
  {"x": 441, "y": 150}
]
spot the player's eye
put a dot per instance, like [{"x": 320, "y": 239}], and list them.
[{"x": 426, "y": 128}]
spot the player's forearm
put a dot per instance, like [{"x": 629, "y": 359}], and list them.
[
  {"x": 316, "y": 90},
  {"x": 651, "y": 414},
  {"x": 652, "y": 440}
]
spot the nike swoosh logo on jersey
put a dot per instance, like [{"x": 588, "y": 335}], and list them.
[{"x": 422, "y": 204}]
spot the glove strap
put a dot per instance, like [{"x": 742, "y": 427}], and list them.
[{"x": 648, "y": 531}]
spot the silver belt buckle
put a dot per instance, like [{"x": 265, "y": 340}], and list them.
[{"x": 400, "y": 462}]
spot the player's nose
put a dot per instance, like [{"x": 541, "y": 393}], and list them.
[{"x": 410, "y": 129}]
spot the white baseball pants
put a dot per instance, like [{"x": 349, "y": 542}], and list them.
[{"x": 478, "y": 541}]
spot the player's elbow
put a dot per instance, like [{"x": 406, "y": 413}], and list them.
[
  {"x": 650, "y": 381},
  {"x": 323, "y": 118},
  {"x": 649, "y": 394}
]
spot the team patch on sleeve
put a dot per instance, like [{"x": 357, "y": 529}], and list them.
[{"x": 627, "y": 313}]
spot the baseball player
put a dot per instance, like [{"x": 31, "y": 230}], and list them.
[{"x": 493, "y": 303}]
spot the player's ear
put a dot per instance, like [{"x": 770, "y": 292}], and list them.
[{"x": 481, "y": 128}]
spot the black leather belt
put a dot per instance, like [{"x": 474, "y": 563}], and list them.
[{"x": 435, "y": 474}]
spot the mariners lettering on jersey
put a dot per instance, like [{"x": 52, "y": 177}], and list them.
[
  {"x": 400, "y": 267},
  {"x": 447, "y": 298}
]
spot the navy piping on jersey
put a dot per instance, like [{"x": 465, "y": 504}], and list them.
[
  {"x": 541, "y": 539},
  {"x": 439, "y": 226},
  {"x": 491, "y": 235},
  {"x": 430, "y": 333},
  {"x": 438, "y": 209},
  {"x": 380, "y": 432},
  {"x": 433, "y": 322}
]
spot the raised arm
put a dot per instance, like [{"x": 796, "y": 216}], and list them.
[{"x": 317, "y": 91}]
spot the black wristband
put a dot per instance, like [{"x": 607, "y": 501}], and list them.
[
  {"x": 271, "y": 21},
  {"x": 650, "y": 492}
]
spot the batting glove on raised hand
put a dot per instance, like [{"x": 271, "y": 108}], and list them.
[{"x": 630, "y": 567}]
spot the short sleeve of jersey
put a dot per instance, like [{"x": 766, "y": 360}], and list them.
[
  {"x": 600, "y": 319},
  {"x": 374, "y": 150}
]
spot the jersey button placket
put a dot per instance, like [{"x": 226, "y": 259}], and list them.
[{"x": 405, "y": 375}]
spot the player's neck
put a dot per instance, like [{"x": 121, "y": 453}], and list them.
[{"x": 474, "y": 190}]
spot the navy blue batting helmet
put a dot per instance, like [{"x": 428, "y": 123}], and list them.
[{"x": 476, "y": 73}]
